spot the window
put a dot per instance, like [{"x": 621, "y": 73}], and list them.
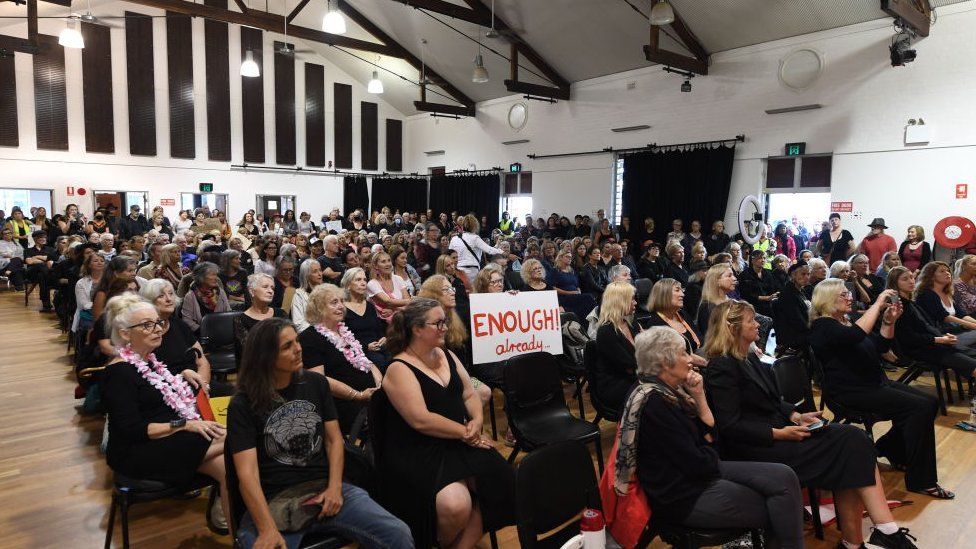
[
  {"x": 809, "y": 172},
  {"x": 26, "y": 199},
  {"x": 517, "y": 198},
  {"x": 618, "y": 191}
]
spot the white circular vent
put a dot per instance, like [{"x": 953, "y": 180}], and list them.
[
  {"x": 800, "y": 69},
  {"x": 518, "y": 115}
]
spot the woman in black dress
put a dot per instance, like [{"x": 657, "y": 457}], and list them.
[
  {"x": 666, "y": 305},
  {"x": 754, "y": 423},
  {"x": 616, "y": 366},
  {"x": 331, "y": 349},
  {"x": 261, "y": 289},
  {"x": 534, "y": 277},
  {"x": 756, "y": 284},
  {"x": 438, "y": 472},
  {"x": 361, "y": 317},
  {"x": 836, "y": 243},
  {"x": 179, "y": 350},
  {"x": 152, "y": 437},
  {"x": 851, "y": 358}
]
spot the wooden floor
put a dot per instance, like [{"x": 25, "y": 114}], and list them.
[{"x": 55, "y": 486}]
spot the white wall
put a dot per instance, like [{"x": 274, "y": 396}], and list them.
[
  {"x": 867, "y": 104},
  {"x": 161, "y": 176}
]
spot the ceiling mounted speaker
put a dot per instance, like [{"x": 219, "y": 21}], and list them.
[{"x": 800, "y": 69}]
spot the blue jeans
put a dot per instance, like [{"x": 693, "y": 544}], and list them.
[{"x": 360, "y": 519}]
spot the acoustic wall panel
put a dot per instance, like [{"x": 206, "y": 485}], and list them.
[
  {"x": 314, "y": 115},
  {"x": 179, "y": 49},
  {"x": 252, "y": 97},
  {"x": 50, "y": 96},
  {"x": 343, "y": 125},
  {"x": 140, "y": 77},
  {"x": 284, "y": 87},
  {"x": 368, "y": 122},
  {"x": 216, "y": 57},
  {"x": 96, "y": 83},
  {"x": 9, "y": 136},
  {"x": 394, "y": 145}
]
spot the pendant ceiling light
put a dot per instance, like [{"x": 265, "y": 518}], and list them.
[
  {"x": 249, "y": 67},
  {"x": 662, "y": 13},
  {"x": 70, "y": 37},
  {"x": 480, "y": 73},
  {"x": 334, "y": 22},
  {"x": 375, "y": 84}
]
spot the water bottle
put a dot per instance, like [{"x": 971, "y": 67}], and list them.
[
  {"x": 592, "y": 528},
  {"x": 972, "y": 412}
]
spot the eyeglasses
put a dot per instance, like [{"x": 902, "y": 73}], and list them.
[
  {"x": 496, "y": 281},
  {"x": 449, "y": 290},
  {"x": 150, "y": 326},
  {"x": 846, "y": 295},
  {"x": 440, "y": 324}
]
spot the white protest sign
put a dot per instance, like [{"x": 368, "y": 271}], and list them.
[
  {"x": 334, "y": 226},
  {"x": 505, "y": 325}
]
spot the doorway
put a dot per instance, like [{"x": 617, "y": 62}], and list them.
[
  {"x": 211, "y": 201},
  {"x": 802, "y": 209},
  {"x": 270, "y": 205},
  {"x": 117, "y": 203}
]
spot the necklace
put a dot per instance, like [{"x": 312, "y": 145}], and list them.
[
  {"x": 347, "y": 344},
  {"x": 176, "y": 392}
]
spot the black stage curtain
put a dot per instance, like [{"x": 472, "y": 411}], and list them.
[
  {"x": 478, "y": 194},
  {"x": 407, "y": 194},
  {"x": 690, "y": 184},
  {"x": 354, "y": 194}
]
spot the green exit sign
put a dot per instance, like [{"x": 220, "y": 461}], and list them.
[
  {"x": 515, "y": 167},
  {"x": 795, "y": 149},
  {"x": 206, "y": 187}
]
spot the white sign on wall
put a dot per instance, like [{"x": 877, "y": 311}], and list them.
[
  {"x": 333, "y": 226},
  {"x": 504, "y": 325}
]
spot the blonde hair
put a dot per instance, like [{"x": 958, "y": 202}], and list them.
[
  {"x": 660, "y": 298},
  {"x": 961, "y": 264},
  {"x": 919, "y": 232},
  {"x": 471, "y": 224},
  {"x": 527, "y": 267},
  {"x": 616, "y": 302},
  {"x": 483, "y": 281},
  {"x": 118, "y": 314},
  {"x": 164, "y": 257},
  {"x": 442, "y": 259},
  {"x": 457, "y": 335},
  {"x": 317, "y": 300},
  {"x": 926, "y": 278},
  {"x": 725, "y": 329},
  {"x": 824, "y": 302},
  {"x": 711, "y": 292}
]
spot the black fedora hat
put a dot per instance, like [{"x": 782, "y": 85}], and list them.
[{"x": 878, "y": 222}]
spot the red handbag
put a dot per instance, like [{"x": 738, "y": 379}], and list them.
[{"x": 626, "y": 516}]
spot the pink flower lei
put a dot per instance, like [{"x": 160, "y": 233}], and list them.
[
  {"x": 176, "y": 392},
  {"x": 347, "y": 344}
]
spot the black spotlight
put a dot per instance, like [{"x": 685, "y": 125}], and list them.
[
  {"x": 686, "y": 86},
  {"x": 901, "y": 52}
]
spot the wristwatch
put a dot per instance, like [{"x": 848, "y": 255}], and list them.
[{"x": 177, "y": 423}]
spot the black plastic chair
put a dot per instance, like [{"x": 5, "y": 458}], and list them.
[
  {"x": 918, "y": 367},
  {"x": 552, "y": 487},
  {"x": 591, "y": 358},
  {"x": 217, "y": 339},
  {"x": 536, "y": 406},
  {"x": 356, "y": 470},
  {"x": 130, "y": 491}
]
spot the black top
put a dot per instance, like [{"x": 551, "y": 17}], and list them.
[
  {"x": 132, "y": 405},
  {"x": 753, "y": 285},
  {"x": 334, "y": 263},
  {"x": 616, "y": 368},
  {"x": 653, "y": 270},
  {"x": 235, "y": 285},
  {"x": 790, "y": 318},
  {"x": 850, "y": 357},
  {"x": 289, "y": 440},
  {"x": 368, "y": 327},
  {"x": 319, "y": 351},
  {"x": 746, "y": 402},
  {"x": 931, "y": 303},
  {"x": 176, "y": 349},
  {"x": 836, "y": 251},
  {"x": 656, "y": 319},
  {"x": 926, "y": 253},
  {"x": 674, "y": 461},
  {"x": 915, "y": 332},
  {"x": 242, "y": 325},
  {"x": 715, "y": 243},
  {"x": 677, "y": 272},
  {"x": 49, "y": 253},
  {"x": 527, "y": 288},
  {"x": 593, "y": 280}
]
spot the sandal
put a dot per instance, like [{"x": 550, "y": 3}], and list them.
[
  {"x": 936, "y": 492},
  {"x": 966, "y": 426}
]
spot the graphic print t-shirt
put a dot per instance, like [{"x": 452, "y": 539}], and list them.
[{"x": 289, "y": 439}]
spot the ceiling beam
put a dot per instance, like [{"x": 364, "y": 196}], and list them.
[
  {"x": 265, "y": 21},
  {"x": 404, "y": 54},
  {"x": 439, "y": 108},
  {"x": 23, "y": 45},
  {"x": 298, "y": 9},
  {"x": 242, "y": 6},
  {"x": 697, "y": 64},
  {"x": 536, "y": 89},
  {"x": 450, "y": 10},
  {"x": 910, "y": 12},
  {"x": 65, "y": 3}
]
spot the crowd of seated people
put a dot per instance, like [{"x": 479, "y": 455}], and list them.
[{"x": 384, "y": 302}]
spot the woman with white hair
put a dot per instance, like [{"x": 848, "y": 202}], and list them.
[
  {"x": 180, "y": 350},
  {"x": 155, "y": 430},
  {"x": 309, "y": 276},
  {"x": 261, "y": 288},
  {"x": 818, "y": 273},
  {"x": 205, "y": 296},
  {"x": 665, "y": 441},
  {"x": 361, "y": 317}
]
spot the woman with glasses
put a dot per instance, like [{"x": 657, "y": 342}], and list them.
[
  {"x": 179, "y": 350},
  {"x": 852, "y": 376},
  {"x": 437, "y": 471},
  {"x": 155, "y": 430},
  {"x": 330, "y": 348},
  {"x": 754, "y": 423}
]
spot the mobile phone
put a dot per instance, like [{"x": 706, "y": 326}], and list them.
[
  {"x": 818, "y": 426},
  {"x": 892, "y": 299}
]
